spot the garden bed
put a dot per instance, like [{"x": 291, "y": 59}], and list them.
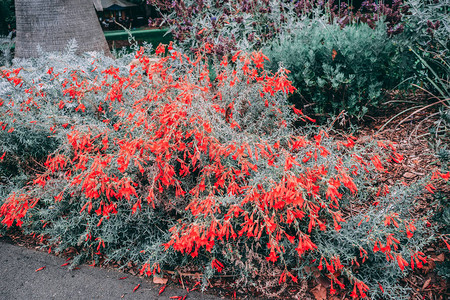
[{"x": 278, "y": 151}]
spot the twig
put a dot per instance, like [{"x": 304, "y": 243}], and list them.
[
  {"x": 335, "y": 119},
  {"x": 182, "y": 282},
  {"x": 420, "y": 109}
]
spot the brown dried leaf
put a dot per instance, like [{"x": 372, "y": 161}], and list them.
[
  {"x": 439, "y": 258},
  {"x": 426, "y": 283},
  {"x": 159, "y": 280},
  {"x": 319, "y": 292},
  {"x": 409, "y": 175}
]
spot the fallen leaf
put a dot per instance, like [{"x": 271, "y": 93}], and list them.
[
  {"x": 159, "y": 280},
  {"x": 409, "y": 175},
  {"x": 319, "y": 292},
  {"x": 40, "y": 269},
  {"x": 427, "y": 282},
  {"x": 439, "y": 258}
]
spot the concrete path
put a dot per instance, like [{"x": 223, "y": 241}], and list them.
[{"x": 19, "y": 280}]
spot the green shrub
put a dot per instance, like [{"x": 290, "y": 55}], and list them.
[
  {"x": 427, "y": 26},
  {"x": 337, "y": 69}
]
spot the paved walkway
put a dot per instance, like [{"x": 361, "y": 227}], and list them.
[{"x": 19, "y": 280}]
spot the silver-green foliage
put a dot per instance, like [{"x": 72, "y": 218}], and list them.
[{"x": 336, "y": 68}]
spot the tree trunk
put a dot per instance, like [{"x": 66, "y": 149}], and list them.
[{"x": 53, "y": 23}]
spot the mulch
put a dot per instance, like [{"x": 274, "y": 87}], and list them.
[{"x": 412, "y": 136}]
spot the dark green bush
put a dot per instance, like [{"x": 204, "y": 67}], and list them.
[{"x": 337, "y": 69}]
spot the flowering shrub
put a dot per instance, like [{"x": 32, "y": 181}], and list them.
[{"x": 154, "y": 163}]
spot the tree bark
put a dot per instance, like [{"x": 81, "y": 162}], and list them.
[{"x": 53, "y": 23}]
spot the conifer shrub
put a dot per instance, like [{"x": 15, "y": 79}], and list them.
[{"x": 156, "y": 165}]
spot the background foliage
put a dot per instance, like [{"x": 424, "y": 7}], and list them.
[
  {"x": 7, "y": 16},
  {"x": 346, "y": 58}
]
